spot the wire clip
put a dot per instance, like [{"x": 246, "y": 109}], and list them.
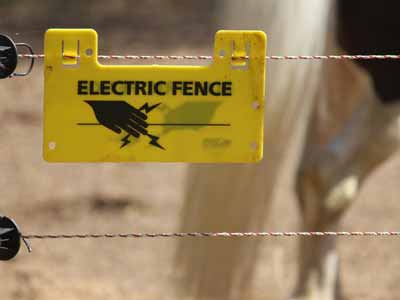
[
  {"x": 10, "y": 239},
  {"x": 9, "y": 57}
]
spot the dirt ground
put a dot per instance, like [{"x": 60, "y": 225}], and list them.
[{"x": 107, "y": 198}]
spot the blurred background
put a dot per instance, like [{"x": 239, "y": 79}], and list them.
[
  {"x": 138, "y": 25},
  {"x": 101, "y": 198}
]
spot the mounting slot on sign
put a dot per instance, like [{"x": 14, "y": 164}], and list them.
[
  {"x": 240, "y": 55},
  {"x": 70, "y": 52}
]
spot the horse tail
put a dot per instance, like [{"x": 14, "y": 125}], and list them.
[{"x": 236, "y": 197}]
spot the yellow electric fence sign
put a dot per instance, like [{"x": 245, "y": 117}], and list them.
[{"x": 104, "y": 113}]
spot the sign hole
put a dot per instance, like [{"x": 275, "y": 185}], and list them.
[
  {"x": 52, "y": 145},
  {"x": 254, "y": 146},
  {"x": 89, "y": 52},
  {"x": 256, "y": 105}
]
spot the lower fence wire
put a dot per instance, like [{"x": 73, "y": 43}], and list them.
[
  {"x": 26, "y": 237},
  {"x": 214, "y": 234}
]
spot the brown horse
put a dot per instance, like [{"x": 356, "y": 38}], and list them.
[{"x": 331, "y": 111}]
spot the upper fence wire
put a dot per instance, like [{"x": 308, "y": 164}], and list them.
[{"x": 209, "y": 57}]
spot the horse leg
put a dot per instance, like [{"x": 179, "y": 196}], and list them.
[
  {"x": 319, "y": 262},
  {"x": 328, "y": 183}
]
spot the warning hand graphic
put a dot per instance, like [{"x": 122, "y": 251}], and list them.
[{"x": 120, "y": 116}]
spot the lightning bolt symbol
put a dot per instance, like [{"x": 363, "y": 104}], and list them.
[
  {"x": 125, "y": 141},
  {"x": 154, "y": 142},
  {"x": 148, "y": 108},
  {"x": 145, "y": 107}
]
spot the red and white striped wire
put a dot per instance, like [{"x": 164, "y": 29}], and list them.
[
  {"x": 218, "y": 234},
  {"x": 224, "y": 234},
  {"x": 208, "y": 57}
]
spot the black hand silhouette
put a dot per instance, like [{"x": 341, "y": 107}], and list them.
[{"x": 120, "y": 115}]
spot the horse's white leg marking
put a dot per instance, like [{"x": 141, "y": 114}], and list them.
[
  {"x": 319, "y": 262},
  {"x": 335, "y": 164}
]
